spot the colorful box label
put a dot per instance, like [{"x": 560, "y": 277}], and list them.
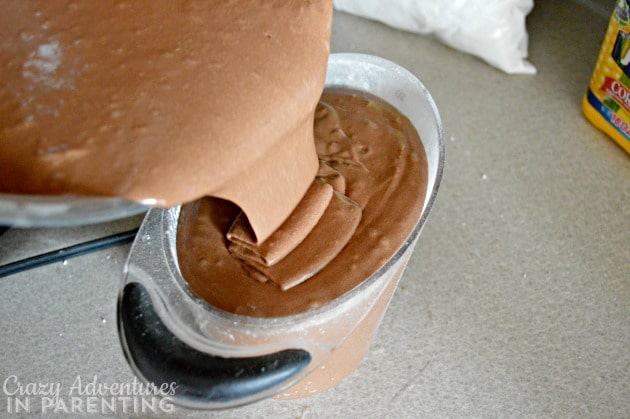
[{"x": 607, "y": 101}]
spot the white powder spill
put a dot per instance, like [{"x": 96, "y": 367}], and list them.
[{"x": 42, "y": 65}]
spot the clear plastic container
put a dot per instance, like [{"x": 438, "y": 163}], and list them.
[{"x": 326, "y": 343}]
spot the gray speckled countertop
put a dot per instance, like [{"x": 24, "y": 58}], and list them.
[{"x": 516, "y": 301}]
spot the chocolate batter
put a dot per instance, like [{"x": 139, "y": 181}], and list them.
[
  {"x": 377, "y": 154},
  {"x": 163, "y": 101}
]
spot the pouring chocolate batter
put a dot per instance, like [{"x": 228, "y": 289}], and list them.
[
  {"x": 373, "y": 158},
  {"x": 163, "y": 102}
]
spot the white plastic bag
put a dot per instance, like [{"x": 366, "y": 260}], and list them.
[{"x": 493, "y": 30}]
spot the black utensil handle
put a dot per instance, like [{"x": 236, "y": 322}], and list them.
[
  {"x": 201, "y": 379},
  {"x": 67, "y": 252}
]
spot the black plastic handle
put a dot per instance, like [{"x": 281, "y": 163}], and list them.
[{"x": 201, "y": 379}]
